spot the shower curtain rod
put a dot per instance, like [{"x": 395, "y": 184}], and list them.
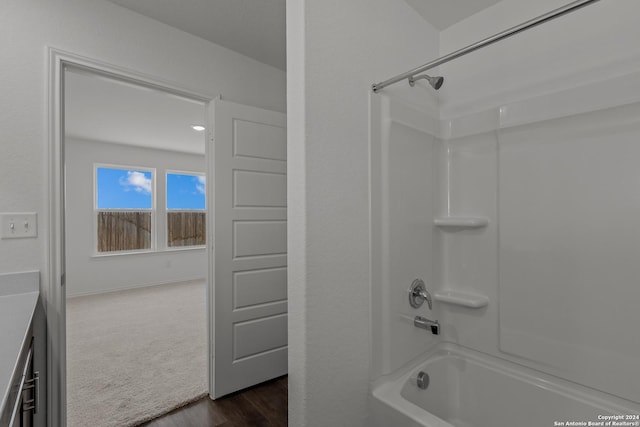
[{"x": 571, "y": 7}]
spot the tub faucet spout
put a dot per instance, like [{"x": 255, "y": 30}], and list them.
[{"x": 432, "y": 325}]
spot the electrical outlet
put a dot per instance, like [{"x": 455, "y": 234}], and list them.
[{"x": 19, "y": 225}]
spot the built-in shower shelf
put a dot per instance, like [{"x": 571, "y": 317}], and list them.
[
  {"x": 463, "y": 299},
  {"x": 460, "y": 222}
]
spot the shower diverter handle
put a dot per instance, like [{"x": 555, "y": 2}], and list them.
[{"x": 418, "y": 294}]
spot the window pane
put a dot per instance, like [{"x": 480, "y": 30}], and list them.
[
  {"x": 123, "y": 189},
  {"x": 186, "y": 192},
  {"x": 186, "y": 229},
  {"x": 124, "y": 231},
  {"x": 129, "y": 192}
]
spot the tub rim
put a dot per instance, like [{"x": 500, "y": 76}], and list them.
[{"x": 388, "y": 389}]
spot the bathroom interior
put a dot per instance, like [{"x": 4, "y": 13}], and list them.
[
  {"x": 504, "y": 268},
  {"x": 510, "y": 192}
]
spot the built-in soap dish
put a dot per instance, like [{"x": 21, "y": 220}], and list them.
[
  {"x": 463, "y": 299},
  {"x": 460, "y": 222}
]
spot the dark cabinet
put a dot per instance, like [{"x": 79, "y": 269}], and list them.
[{"x": 26, "y": 391}]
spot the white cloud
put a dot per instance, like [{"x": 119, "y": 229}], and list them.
[
  {"x": 201, "y": 185},
  {"x": 136, "y": 181}
]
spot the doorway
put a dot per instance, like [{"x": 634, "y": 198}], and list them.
[
  {"x": 254, "y": 142},
  {"x": 137, "y": 180},
  {"x": 135, "y": 250}
]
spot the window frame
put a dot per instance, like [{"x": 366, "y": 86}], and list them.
[
  {"x": 167, "y": 210},
  {"x": 153, "y": 210}
]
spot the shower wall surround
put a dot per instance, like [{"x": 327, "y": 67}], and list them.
[
  {"x": 557, "y": 178},
  {"x": 404, "y": 180}
]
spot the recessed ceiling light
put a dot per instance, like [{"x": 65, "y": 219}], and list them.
[{"x": 199, "y": 128}]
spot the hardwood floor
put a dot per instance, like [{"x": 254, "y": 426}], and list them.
[{"x": 264, "y": 405}]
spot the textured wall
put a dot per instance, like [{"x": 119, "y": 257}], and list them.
[{"x": 336, "y": 50}]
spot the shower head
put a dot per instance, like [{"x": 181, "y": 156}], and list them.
[{"x": 435, "y": 82}]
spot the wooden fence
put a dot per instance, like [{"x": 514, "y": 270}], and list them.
[
  {"x": 131, "y": 230},
  {"x": 124, "y": 231},
  {"x": 186, "y": 229}
]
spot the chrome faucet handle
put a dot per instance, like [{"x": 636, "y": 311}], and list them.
[{"x": 418, "y": 294}]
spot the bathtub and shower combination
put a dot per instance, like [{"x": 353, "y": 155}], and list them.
[{"x": 531, "y": 309}]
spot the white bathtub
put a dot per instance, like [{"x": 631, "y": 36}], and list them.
[{"x": 470, "y": 389}]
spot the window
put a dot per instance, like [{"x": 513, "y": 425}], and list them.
[
  {"x": 186, "y": 209},
  {"x": 124, "y": 208}
]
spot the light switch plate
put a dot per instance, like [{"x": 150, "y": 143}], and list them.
[{"x": 18, "y": 225}]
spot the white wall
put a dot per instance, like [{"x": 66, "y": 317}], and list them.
[
  {"x": 336, "y": 50},
  {"x": 595, "y": 42},
  {"x": 545, "y": 177},
  {"x": 101, "y": 30},
  {"x": 555, "y": 270},
  {"x": 89, "y": 274}
]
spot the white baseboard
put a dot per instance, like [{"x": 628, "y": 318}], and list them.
[{"x": 129, "y": 287}]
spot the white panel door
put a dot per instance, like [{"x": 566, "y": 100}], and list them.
[{"x": 250, "y": 246}]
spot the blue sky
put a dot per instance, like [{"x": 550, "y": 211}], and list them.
[
  {"x": 132, "y": 189},
  {"x": 185, "y": 191}
]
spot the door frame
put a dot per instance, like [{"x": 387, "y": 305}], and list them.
[{"x": 54, "y": 295}]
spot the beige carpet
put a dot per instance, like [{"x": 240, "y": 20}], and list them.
[{"x": 134, "y": 355}]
